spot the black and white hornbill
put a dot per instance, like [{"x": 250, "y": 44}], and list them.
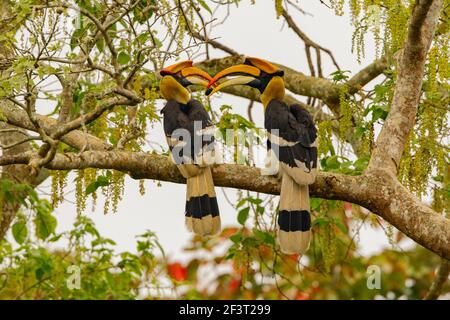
[
  {"x": 291, "y": 137},
  {"x": 190, "y": 135}
]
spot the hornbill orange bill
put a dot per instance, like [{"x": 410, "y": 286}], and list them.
[
  {"x": 190, "y": 136},
  {"x": 291, "y": 137}
]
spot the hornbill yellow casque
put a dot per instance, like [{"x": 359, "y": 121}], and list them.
[
  {"x": 291, "y": 138},
  {"x": 190, "y": 136}
]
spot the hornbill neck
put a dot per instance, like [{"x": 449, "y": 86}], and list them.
[
  {"x": 171, "y": 89},
  {"x": 274, "y": 90}
]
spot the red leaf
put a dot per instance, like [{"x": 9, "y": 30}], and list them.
[
  {"x": 302, "y": 296},
  {"x": 295, "y": 257},
  {"x": 234, "y": 284},
  {"x": 177, "y": 271},
  {"x": 348, "y": 207}
]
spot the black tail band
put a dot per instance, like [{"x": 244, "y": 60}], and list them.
[
  {"x": 294, "y": 220},
  {"x": 199, "y": 207}
]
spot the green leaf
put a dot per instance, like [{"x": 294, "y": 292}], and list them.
[
  {"x": 333, "y": 162},
  {"x": 379, "y": 113},
  {"x": 55, "y": 238},
  {"x": 45, "y": 224},
  {"x": 361, "y": 164},
  {"x": 100, "y": 44},
  {"x": 20, "y": 231},
  {"x": 243, "y": 215},
  {"x": 340, "y": 75},
  {"x": 205, "y": 6},
  {"x": 39, "y": 273},
  {"x": 237, "y": 237},
  {"x": 102, "y": 181},
  {"x": 265, "y": 237},
  {"x": 123, "y": 58},
  {"x": 76, "y": 36},
  {"x": 340, "y": 225},
  {"x": 320, "y": 221},
  {"x": 315, "y": 204}
]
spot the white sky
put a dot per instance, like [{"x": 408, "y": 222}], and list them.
[{"x": 251, "y": 30}]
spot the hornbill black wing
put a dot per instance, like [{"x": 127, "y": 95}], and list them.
[
  {"x": 196, "y": 112},
  {"x": 202, "y": 210},
  {"x": 295, "y": 139},
  {"x": 301, "y": 120},
  {"x": 196, "y": 130},
  {"x": 175, "y": 119},
  {"x": 303, "y": 123},
  {"x": 202, "y": 127}
]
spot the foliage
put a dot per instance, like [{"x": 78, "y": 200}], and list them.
[
  {"x": 33, "y": 271},
  {"x": 152, "y": 33},
  {"x": 251, "y": 268}
]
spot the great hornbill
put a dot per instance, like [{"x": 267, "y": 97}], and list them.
[
  {"x": 190, "y": 137},
  {"x": 291, "y": 137}
]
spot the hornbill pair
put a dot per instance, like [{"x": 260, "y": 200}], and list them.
[{"x": 291, "y": 139}]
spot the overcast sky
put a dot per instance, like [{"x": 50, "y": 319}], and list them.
[{"x": 251, "y": 30}]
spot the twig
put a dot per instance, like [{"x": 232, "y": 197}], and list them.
[
  {"x": 441, "y": 277},
  {"x": 308, "y": 42},
  {"x": 215, "y": 44}
]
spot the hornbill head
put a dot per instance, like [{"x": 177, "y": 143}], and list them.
[
  {"x": 178, "y": 77},
  {"x": 256, "y": 73}
]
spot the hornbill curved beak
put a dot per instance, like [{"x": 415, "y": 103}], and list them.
[
  {"x": 255, "y": 73},
  {"x": 246, "y": 75},
  {"x": 186, "y": 74}
]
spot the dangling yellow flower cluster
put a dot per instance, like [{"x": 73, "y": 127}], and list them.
[
  {"x": 80, "y": 197},
  {"x": 345, "y": 119},
  {"x": 375, "y": 16},
  {"x": 83, "y": 179},
  {"x": 279, "y": 7},
  {"x": 325, "y": 138},
  {"x": 181, "y": 31},
  {"x": 59, "y": 182},
  {"x": 425, "y": 157},
  {"x": 338, "y": 6},
  {"x": 367, "y": 140},
  {"x": 118, "y": 187},
  {"x": 329, "y": 247}
]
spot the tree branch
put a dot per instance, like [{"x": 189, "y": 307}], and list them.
[
  {"x": 308, "y": 42},
  {"x": 77, "y": 139},
  {"x": 215, "y": 44},
  {"x": 401, "y": 118},
  {"x": 441, "y": 277},
  {"x": 375, "y": 191},
  {"x": 299, "y": 83}
]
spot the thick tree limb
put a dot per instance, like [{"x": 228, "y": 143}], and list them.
[
  {"x": 401, "y": 118},
  {"x": 299, "y": 83},
  {"x": 367, "y": 74},
  {"x": 376, "y": 191}
]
